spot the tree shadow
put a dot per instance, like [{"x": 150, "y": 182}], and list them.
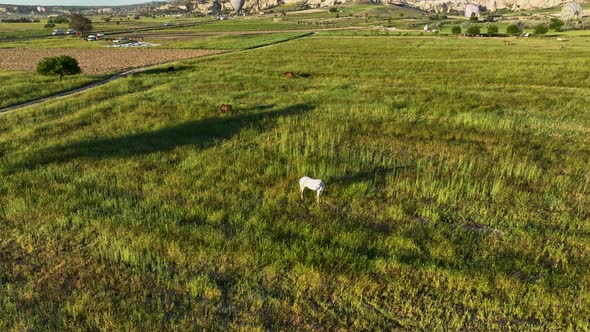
[
  {"x": 199, "y": 134},
  {"x": 164, "y": 70}
]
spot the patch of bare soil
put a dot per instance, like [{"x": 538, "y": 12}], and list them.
[{"x": 96, "y": 61}]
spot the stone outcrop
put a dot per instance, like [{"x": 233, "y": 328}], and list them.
[
  {"x": 439, "y": 6},
  {"x": 493, "y": 5}
]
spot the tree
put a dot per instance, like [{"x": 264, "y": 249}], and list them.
[
  {"x": 541, "y": 29},
  {"x": 456, "y": 30},
  {"x": 80, "y": 23},
  {"x": 492, "y": 30},
  {"x": 106, "y": 19},
  {"x": 473, "y": 30},
  {"x": 513, "y": 29},
  {"x": 556, "y": 24},
  {"x": 58, "y": 66}
]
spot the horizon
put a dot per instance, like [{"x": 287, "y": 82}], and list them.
[{"x": 79, "y": 3}]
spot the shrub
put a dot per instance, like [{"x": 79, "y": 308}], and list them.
[
  {"x": 456, "y": 30},
  {"x": 80, "y": 23},
  {"x": 473, "y": 30},
  {"x": 556, "y": 24},
  {"x": 513, "y": 29},
  {"x": 59, "y": 19},
  {"x": 492, "y": 30},
  {"x": 541, "y": 29},
  {"x": 49, "y": 25},
  {"x": 58, "y": 66},
  {"x": 333, "y": 10}
]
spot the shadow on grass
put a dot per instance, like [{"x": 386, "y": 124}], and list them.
[
  {"x": 199, "y": 134},
  {"x": 165, "y": 70}
]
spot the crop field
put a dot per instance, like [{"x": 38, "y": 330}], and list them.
[
  {"x": 95, "y": 61},
  {"x": 458, "y": 192}
]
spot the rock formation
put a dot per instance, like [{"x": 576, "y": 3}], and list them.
[{"x": 439, "y": 6}]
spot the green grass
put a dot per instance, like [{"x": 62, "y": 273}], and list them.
[
  {"x": 235, "y": 42},
  {"x": 457, "y": 192},
  {"x": 18, "y": 87}
]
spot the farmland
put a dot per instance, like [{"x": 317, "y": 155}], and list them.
[
  {"x": 458, "y": 192},
  {"x": 95, "y": 61}
]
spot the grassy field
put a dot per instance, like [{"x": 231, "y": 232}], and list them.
[
  {"x": 457, "y": 192},
  {"x": 234, "y": 42},
  {"x": 18, "y": 87}
]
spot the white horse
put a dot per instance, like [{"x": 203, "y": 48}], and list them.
[{"x": 313, "y": 184}]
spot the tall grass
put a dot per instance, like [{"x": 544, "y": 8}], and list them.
[{"x": 457, "y": 192}]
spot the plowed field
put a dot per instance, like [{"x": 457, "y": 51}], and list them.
[{"x": 96, "y": 61}]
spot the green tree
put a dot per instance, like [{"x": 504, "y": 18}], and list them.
[
  {"x": 492, "y": 30},
  {"x": 58, "y": 66},
  {"x": 556, "y": 24},
  {"x": 513, "y": 29},
  {"x": 456, "y": 30},
  {"x": 80, "y": 23},
  {"x": 541, "y": 29},
  {"x": 473, "y": 30}
]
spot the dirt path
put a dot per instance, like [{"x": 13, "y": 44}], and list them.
[{"x": 71, "y": 92}]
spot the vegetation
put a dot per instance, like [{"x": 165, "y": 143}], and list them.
[
  {"x": 19, "y": 87},
  {"x": 556, "y": 24},
  {"x": 513, "y": 29},
  {"x": 492, "y": 30},
  {"x": 457, "y": 192},
  {"x": 541, "y": 29},
  {"x": 456, "y": 30},
  {"x": 58, "y": 66},
  {"x": 80, "y": 23},
  {"x": 473, "y": 30}
]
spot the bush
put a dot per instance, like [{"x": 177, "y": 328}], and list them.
[
  {"x": 80, "y": 23},
  {"x": 556, "y": 24},
  {"x": 49, "y": 25},
  {"x": 59, "y": 19},
  {"x": 473, "y": 30},
  {"x": 58, "y": 66},
  {"x": 456, "y": 30},
  {"x": 492, "y": 30},
  {"x": 513, "y": 29},
  {"x": 333, "y": 10},
  {"x": 541, "y": 29}
]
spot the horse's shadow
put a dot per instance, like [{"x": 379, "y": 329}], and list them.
[{"x": 198, "y": 134}]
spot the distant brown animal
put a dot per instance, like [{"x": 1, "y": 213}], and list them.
[
  {"x": 225, "y": 108},
  {"x": 170, "y": 69},
  {"x": 289, "y": 74},
  {"x": 507, "y": 42}
]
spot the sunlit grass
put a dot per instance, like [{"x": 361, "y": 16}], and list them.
[{"x": 457, "y": 192}]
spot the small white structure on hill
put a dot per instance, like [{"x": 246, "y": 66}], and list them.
[
  {"x": 471, "y": 10},
  {"x": 571, "y": 11}
]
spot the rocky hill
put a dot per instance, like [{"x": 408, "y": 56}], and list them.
[{"x": 431, "y": 5}]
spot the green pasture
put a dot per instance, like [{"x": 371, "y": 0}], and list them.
[
  {"x": 457, "y": 193},
  {"x": 18, "y": 87},
  {"x": 234, "y": 42}
]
